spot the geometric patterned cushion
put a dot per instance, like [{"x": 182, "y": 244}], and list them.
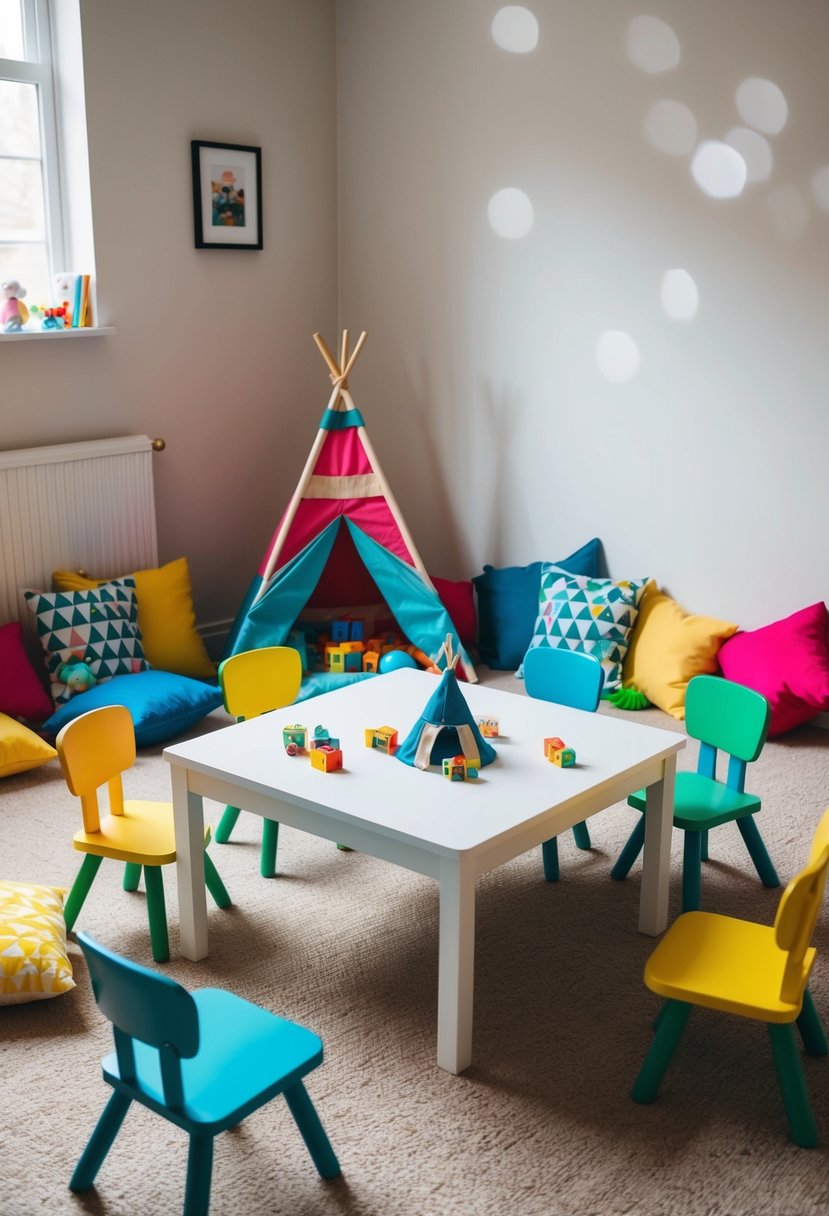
[
  {"x": 595, "y": 615},
  {"x": 33, "y": 959},
  {"x": 97, "y": 627}
]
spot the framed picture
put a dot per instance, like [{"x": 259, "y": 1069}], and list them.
[{"x": 227, "y": 195}]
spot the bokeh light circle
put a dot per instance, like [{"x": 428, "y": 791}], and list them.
[
  {"x": 515, "y": 29},
  {"x": 617, "y": 356},
  {"x": 510, "y": 213},
  {"x": 718, "y": 169}
]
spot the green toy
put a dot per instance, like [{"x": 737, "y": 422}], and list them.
[{"x": 628, "y": 698}]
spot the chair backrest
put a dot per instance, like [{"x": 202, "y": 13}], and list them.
[
  {"x": 798, "y": 911},
  {"x": 95, "y": 749},
  {"x": 141, "y": 1004},
  {"x": 728, "y": 717},
  {"x": 567, "y": 677},
  {"x": 257, "y": 681}
]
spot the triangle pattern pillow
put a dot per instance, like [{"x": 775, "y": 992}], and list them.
[
  {"x": 595, "y": 615},
  {"x": 97, "y": 628}
]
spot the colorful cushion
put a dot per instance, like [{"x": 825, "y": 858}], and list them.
[
  {"x": 162, "y": 704},
  {"x": 34, "y": 963},
  {"x": 458, "y": 599},
  {"x": 20, "y": 748},
  {"x": 508, "y": 605},
  {"x": 98, "y": 628},
  {"x": 668, "y": 647},
  {"x": 21, "y": 693},
  {"x": 166, "y": 616},
  {"x": 595, "y": 615},
  {"x": 788, "y": 662}
]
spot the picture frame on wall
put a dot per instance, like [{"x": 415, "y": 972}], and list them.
[{"x": 227, "y": 195}]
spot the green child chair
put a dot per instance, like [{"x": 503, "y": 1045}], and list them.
[
  {"x": 255, "y": 682},
  {"x": 203, "y": 1060},
  {"x": 722, "y": 716},
  {"x": 565, "y": 677},
  {"x": 755, "y": 971},
  {"x": 94, "y": 750}
]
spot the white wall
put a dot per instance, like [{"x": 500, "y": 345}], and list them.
[
  {"x": 501, "y": 438},
  {"x": 213, "y": 349}
]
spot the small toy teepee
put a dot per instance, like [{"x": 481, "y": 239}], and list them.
[{"x": 446, "y": 727}]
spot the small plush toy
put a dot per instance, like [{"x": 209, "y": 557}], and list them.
[
  {"x": 76, "y": 676},
  {"x": 14, "y": 314}
]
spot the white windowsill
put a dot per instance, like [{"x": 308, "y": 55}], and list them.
[{"x": 52, "y": 335}]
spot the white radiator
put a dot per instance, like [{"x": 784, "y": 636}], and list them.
[{"x": 79, "y": 506}]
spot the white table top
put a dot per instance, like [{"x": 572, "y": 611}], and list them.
[{"x": 378, "y": 791}]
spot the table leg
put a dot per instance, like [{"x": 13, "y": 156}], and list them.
[
  {"x": 456, "y": 965},
  {"x": 656, "y": 859},
  {"x": 188, "y": 816}
]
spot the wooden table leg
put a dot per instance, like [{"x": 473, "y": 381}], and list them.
[
  {"x": 656, "y": 859},
  {"x": 456, "y": 969},
  {"x": 188, "y": 815}
]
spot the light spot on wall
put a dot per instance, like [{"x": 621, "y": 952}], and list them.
[
  {"x": 652, "y": 45},
  {"x": 679, "y": 294},
  {"x": 789, "y": 211},
  {"x": 762, "y": 105},
  {"x": 820, "y": 188},
  {"x": 718, "y": 170},
  {"x": 515, "y": 29},
  {"x": 511, "y": 213},
  {"x": 617, "y": 356},
  {"x": 755, "y": 150},
  {"x": 671, "y": 127}
]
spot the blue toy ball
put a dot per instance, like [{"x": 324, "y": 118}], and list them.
[{"x": 393, "y": 660}]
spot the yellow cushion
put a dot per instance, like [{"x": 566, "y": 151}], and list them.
[
  {"x": 34, "y": 964},
  {"x": 166, "y": 616},
  {"x": 21, "y": 748},
  {"x": 668, "y": 648}
]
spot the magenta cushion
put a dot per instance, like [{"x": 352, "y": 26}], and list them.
[
  {"x": 21, "y": 693},
  {"x": 459, "y": 602},
  {"x": 788, "y": 662}
]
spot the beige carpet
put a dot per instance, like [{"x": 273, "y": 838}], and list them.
[{"x": 543, "y": 1123}]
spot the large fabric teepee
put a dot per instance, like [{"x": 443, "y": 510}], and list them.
[{"x": 342, "y": 515}]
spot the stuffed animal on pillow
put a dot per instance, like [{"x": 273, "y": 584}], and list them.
[{"x": 76, "y": 676}]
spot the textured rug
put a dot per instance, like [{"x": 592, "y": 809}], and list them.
[{"x": 541, "y": 1125}]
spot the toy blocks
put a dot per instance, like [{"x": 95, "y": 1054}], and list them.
[
  {"x": 384, "y": 738},
  {"x": 295, "y": 736},
  {"x": 371, "y": 660},
  {"x": 321, "y": 738},
  {"x": 558, "y": 753},
  {"x": 553, "y": 742},
  {"x": 461, "y": 768},
  {"x": 326, "y": 758},
  {"x": 489, "y": 727}
]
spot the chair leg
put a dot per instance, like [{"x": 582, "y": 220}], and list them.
[
  {"x": 670, "y": 1023},
  {"x": 132, "y": 876},
  {"x": 692, "y": 856},
  {"x": 802, "y": 1129},
  {"x": 270, "y": 839},
  {"x": 549, "y": 858},
  {"x": 80, "y": 888},
  {"x": 704, "y": 845},
  {"x": 214, "y": 884},
  {"x": 226, "y": 824},
  {"x": 630, "y": 852},
  {"x": 312, "y": 1131},
  {"x": 582, "y": 835},
  {"x": 811, "y": 1030},
  {"x": 199, "y": 1171},
  {"x": 100, "y": 1142},
  {"x": 157, "y": 914},
  {"x": 757, "y": 851}
]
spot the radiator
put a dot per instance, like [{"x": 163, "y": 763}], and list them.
[{"x": 78, "y": 506}]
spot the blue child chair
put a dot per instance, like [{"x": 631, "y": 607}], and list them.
[
  {"x": 203, "y": 1060},
  {"x": 566, "y": 677}
]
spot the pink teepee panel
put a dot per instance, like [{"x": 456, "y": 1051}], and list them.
[{"x": 342, "y": 455}]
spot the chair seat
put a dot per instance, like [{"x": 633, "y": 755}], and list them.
[
  {"x": 144, "y": 834},
  {"x": 246, "y": 1056},
  {"x": 722, "y": 963},
  {"x": 701, "y": 803}
]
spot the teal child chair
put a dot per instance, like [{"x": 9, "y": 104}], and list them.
[
  {"x": 566, "y": 677},
  {"x": 255, "y": 682},
  {"x": 203, "y": 1060},
  {"x": 734, "y": 719}
]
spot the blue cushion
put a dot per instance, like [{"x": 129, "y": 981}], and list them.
[
  {"x": 508, "y": 605},
  {"x": 162, "y": 704}
]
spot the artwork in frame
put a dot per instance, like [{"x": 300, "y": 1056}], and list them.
[{"x": 227, "y": 195}]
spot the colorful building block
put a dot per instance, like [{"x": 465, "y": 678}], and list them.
[
  {"x": 297, "y": 735},
  {"x": 321, "y": 738},
  {"x": 340, "y": 631},
  {"x": 325, "y": 758},
  {"x": 371, "y": 659},
  {"x": 553, "y": 742},
  {"x": 384, "y": 738},
  {"x": 564, "y": 757},
  {"x": 461, "y": 768},
  {"x": 488, "y": 727}
]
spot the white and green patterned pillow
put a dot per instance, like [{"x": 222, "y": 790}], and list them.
[
  {"x": 98, "y": 627},
  {"x": 595, "y": 615}
]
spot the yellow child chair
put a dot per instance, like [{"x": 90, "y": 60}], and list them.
[
  {"x": 94, "y": 750},
  {"x": 755, "y": 971},
  {"x": 255, "y": 682}
]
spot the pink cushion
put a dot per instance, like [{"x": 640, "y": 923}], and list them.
[
  {"x": 788, "y": 662},
  {"x": 21, "y": 693},
  {"x": 459, "y": 602}
]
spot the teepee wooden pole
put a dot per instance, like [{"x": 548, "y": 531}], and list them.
[
  {"x": 328, "y": 357},
  {"x": 344, "y": 349},
  {"x": 353, "y": 359},
  {"x": 290, "y": 514}
]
